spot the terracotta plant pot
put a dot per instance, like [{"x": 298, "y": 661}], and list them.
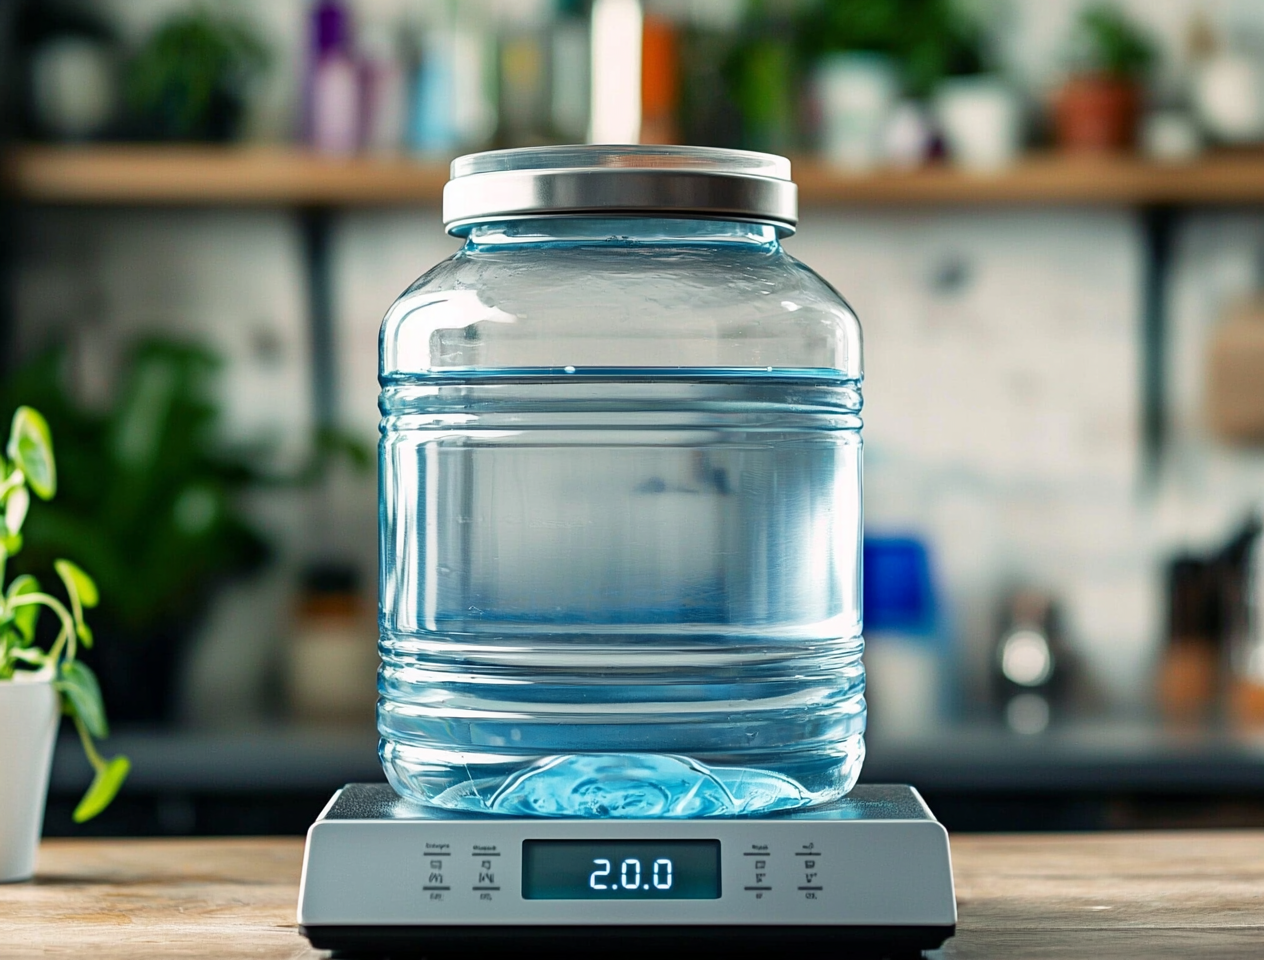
[
  {"x": 28, "y": 719},
  {"x": 1097, "y": 113}
]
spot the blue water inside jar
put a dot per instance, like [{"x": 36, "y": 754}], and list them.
[{"x": 621, "y": 592}]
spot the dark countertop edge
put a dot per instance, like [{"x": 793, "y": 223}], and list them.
[{"x": 1120, "y": 758}]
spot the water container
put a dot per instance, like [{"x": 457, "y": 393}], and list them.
[{"x": 621, "y": 496}]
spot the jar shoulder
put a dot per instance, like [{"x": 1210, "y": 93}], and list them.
[{"x": 622, "y": 305}]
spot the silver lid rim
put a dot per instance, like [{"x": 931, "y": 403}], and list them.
[
  {"x": 624, "y": 191},
  {"x": 651, "y": 156}
]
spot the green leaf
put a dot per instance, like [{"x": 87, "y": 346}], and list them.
[
  {"x": 15, "y": 507},
  {"x": 77, "y": 582},
  {"x": 105, "y": 786},
  {"x": 11, "y": 544},
  {"x": 84, "y": 633},
  {"x": 82, "y": 697},
  {"x": 26, "y": 616},
  {"x": 31, "y": 448}
]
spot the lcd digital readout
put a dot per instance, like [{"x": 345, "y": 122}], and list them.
[{"x": 621, "y": 869}]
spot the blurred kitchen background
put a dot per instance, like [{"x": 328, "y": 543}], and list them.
[{"x": 1048, "y": 214}]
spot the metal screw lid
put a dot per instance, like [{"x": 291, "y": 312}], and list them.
[{"x": 601, "y": 179}]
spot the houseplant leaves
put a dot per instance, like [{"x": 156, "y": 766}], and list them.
[
  {"x": 78, "y": 684},
  {"x": 105, "y": 785},
  {"x": 31, "y": 449}
]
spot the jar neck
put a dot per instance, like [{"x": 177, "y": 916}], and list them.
[{"x": 652, "y": 231}]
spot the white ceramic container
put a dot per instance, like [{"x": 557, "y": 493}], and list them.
[
  {"x": 981, "y": 120},
  {"x": 28, "y": 726},
  {"x": 856, "y": 93}
]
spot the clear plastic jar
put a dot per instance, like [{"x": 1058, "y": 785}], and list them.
[{"x": 621, "y": 497}]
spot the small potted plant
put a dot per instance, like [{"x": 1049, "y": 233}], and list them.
[
  {"x": 38, "y": 683},
  {"x": 1098, "y": 106},
  {"x": 191, "y": 79},
  {"x": 978, "y": 110},
  {"x": 933, "y": 53}
]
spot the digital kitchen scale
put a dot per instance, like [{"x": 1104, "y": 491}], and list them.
[{"x": 869, "y": 875}]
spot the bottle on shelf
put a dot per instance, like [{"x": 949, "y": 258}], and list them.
[
  {"x": 905, "y": 657},
  {"x": 383, "y": 89},
  {"x": 452, "y": 98},
  {"x": 570, "y": 73},
  {"x": 615, "y": 110},
  {"x": 660, "y": 80},
  {"x": 431, "y": 89},
  {"x": 524, "y": 60},
  {"x": 333, "y": 91}
]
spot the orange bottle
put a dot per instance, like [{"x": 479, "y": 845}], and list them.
[{"x": 660, "y": 80}]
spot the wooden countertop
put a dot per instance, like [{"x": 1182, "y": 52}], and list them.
[{"x": 1151, "y": 895}]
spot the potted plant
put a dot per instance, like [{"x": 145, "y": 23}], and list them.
[
  {"x": 937, "y": 51},
  {"x": 150, "y": 503},
  {"x": 927, "y": 39},
  {"x": 155, "y": 502},
  {"x": 1098, "y": 106},
  {"x": 191, "y": 78},
  {"x": 38, "y": 683}
]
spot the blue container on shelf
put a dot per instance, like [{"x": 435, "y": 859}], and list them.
[
  {"x": 899, "y": 595},
  {"x": 904, "y": 652}
]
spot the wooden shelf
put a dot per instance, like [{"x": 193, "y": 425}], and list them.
[
  {"x": 1047, "y": 179},
  {"x": 215, "y": 175},
  {"x": 284, "y": 176}
]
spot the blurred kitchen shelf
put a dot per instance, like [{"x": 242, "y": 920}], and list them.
[
  {"x": 195, "y": 175},
  {"x": 1078, "y": 756},
  {"x": 192, "y": 176},
  {"x": 1047, "y": 180},
  {"x": 1081, "y": 775},
  {"x": 281, "y": 758}
]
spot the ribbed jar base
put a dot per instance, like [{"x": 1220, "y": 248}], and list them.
[{"x": 619, "y": 785}]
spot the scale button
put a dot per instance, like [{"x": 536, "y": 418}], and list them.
[{"x": 810, "y": 884}]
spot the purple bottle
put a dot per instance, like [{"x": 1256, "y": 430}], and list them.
[{"x": 333, "y": 94}]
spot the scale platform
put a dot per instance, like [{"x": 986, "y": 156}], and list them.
[{"x": 869, "y": 875}]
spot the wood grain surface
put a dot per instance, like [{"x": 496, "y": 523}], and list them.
[
  {"x": 1140, "y": 895},
  {"x": 157, "y": 898},
  {"x": 1135, "y": 895}
]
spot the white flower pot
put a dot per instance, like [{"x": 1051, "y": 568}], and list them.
[{"x": 28, "y": 726}]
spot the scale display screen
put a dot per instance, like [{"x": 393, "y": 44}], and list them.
[{"x": 621, "y": 870}]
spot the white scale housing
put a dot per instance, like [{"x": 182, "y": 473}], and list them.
[{"x": 870, "y": 873}]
